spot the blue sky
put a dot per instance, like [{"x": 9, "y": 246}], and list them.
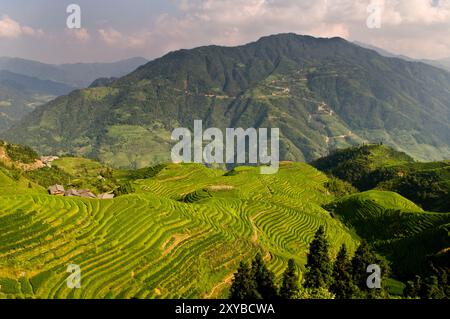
[{"x": 113, "y": 29}]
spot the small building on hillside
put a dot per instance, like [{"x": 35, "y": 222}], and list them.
[
  {"x": 86, "y": 193},
  {"x": 105, "y": 196},
  {"x": 57, "y": 190},
  {"x": 47, "y": 160},
  {"x": 72, "y": 193}
]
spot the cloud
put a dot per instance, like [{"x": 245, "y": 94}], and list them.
[
  {"x": 416, "y": 28},
  {"x": 82, "y": 34},
  {"x": 115, "y": 38},
  {"x": 11, "y": 29},
  {"x": 404, "y": 23}
]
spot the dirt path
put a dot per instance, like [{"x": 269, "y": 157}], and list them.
[
  {"x": 216, "y": 289},
  {"x": 255, "y": 228},
  {"x": 178, "y": 238}
]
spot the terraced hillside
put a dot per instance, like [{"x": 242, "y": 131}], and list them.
[
  {"x": 182, "y": 234},
  {"x": 376, "y": 166},
  {"x": 397, "y": 227}
]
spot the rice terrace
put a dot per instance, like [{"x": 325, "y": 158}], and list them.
[
  {"x": 181, "y": 230},
  {"x": 259, "y": 156}
]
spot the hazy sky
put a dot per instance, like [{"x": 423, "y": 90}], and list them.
[{"x": 113, "y": 29}]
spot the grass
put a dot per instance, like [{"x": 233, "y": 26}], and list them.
[
  {"x": 152, "y": 245},
  {"x": 186, "y": 227},
  {"x": 396, "y": 227}
]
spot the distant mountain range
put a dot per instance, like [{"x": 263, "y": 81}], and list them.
[
  {"x": 20, "y": 94},
  {"x": 25, "y": 84},
  {"x": 442, "y": 63},
  {"x": 321, "y": 93},
  {"x": 77, "y": 75}
]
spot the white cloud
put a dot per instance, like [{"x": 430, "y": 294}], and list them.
[
  {"x": 11, "y": 29},
  {"x": 82, "y": 34},
  {"x": 115, "y": 38},
  {"x": 417, "y": 28},
  {"x": 405, "y": 23}
]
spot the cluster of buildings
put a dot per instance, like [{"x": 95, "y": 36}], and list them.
[{"x": 58, "y": 190}]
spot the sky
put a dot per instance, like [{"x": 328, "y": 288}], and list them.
[{"x": 111, "y": 30}]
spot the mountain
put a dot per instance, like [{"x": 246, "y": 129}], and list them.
[
  {"x": 20, "y": 94},
  {"x": 78, "y": 75},
  {"x": 383, "y": 52},
  {"x": 25, "y": 84},
  {"x": 322, "y": 94},
  {"x": 442, "y": 63}
]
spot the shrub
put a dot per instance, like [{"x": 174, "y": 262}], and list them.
[{"x": 21, "y": 153}]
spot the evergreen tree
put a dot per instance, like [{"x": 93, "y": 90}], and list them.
[
  {"x": 442, "y": 275},
  {"x": 243, "y": 285},
  {"x": 413, "y": 287},
  {"x": 365, "y": 256},
  {"x": 430, "y": 289},
  {"x": 318, "y": 269},
  {"x": 264, "y": 279},
  {"x": 289, "y": 286},
  {"x": 342, "y": 284}
]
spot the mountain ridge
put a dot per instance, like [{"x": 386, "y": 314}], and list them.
[{"x": 322, "y": 93}]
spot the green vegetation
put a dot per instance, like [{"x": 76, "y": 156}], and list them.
[
  {"x": 255, "y": 282},
  {"x": 343, "y": 279},
  {"x": 149, "y": 244},
  {"x": 393, "y": 225},
  {"x": 318, "y": 266},
  {"x": 181, "y": 230},
  {"x": 375, "y": 166},
  {"x": 20, "y": 153},
  {"x": 48, "y": 176},
  {"x": 323, "y": 94},
  {"x": 289, "y": 285}
]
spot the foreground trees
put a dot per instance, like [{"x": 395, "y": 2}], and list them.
[
  {"x": 255, "y": 282},
  {"x": 342, "y": 285},
  {"x": 289, "y": 286},
  {"x": 318, "y": 265},
  {"x": 344, "y": 279}
]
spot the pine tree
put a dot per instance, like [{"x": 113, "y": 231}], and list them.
[
  {"x": 264, "y": 279},
  {"x": 318, "y": 269},
  {"x": 342, "y": 284},
  {"x": 430, "y": 289},
  {"x": 365, "y": 256},
  {"x": 243, "y": 285},
  {"x": 289, "y": 286},
  {"x": 413, "y": 287}
]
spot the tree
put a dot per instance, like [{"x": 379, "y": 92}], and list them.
[
  {"x": 413, "y": 287},
  {"x": 318, "y": 270},
  {"x": 430, "y": 289},
  {"x": 342, "y": 284},
  {"x": 289, "y": 286},
  {"x": 365, "y": 256},
  {"x": 264, "y": 278},
  {"x": 124, "y": 189},
  {"x": 243, "y": 285}
]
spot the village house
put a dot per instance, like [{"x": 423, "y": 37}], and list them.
[
  {"x": 105, "y": 196},
  {"x": 86, "y": 193},
  {"x": 72, "y": 193},
  {"x": 47, "y": 160},
  {"x": 57, "y": 190}
]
